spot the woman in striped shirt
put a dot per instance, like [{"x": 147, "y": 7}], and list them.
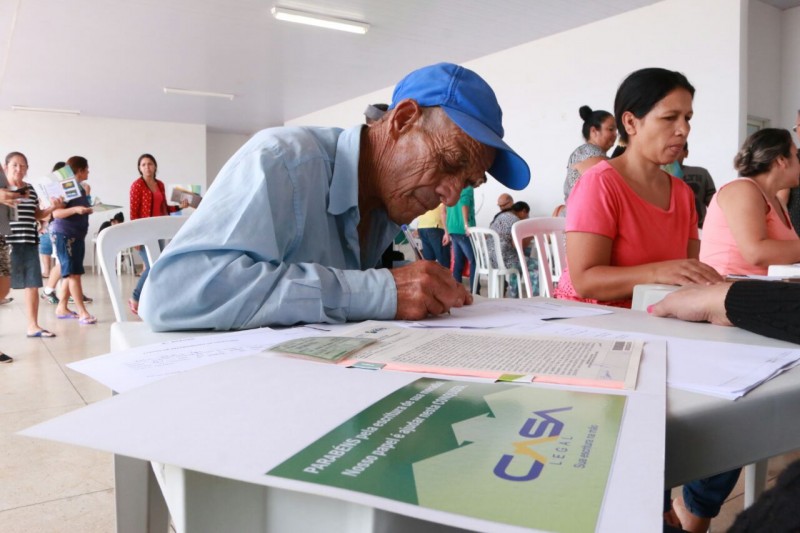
[{"x": 26, "y": 272}]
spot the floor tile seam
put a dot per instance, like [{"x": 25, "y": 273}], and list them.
[
  {"x": 110, "y": 489},
  {"x": 49, "y": 407}
]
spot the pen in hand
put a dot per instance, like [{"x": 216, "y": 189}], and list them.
[{"x": 412, "y": 242}]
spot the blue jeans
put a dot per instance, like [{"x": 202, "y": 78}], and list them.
[
  {"x": 137, "y": 292},
  {"x": 462, "y": 249},
  {"x": 704, "y": 497},
  {"x": 432, "y": 248}
]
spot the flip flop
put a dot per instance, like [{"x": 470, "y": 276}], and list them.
[
  {"x": 43, "y": 333},
  {"x": 87, "y": 321},
  {"x": 71, "y": 314}
]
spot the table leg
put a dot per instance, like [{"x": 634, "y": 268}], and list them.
[
  {"x": 140, "y": 505},
  {"x": 755, "y": 479}
]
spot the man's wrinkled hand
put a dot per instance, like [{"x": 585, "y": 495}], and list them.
[{"x": 426, "y": 288}]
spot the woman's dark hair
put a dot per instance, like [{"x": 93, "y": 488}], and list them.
[
  {"x": 761, "y": 149},
  {"x": 59, "y": 166},
  {"x": 151, "y": 158},
  {"x": 12, "y": 155},
  {"x": 520, "y": 206},
  {"x": 618, "y": 151},
  {"x": 592, "y": 119},
  {"x": 642, "y": 90},
  {"x": 77, "y": 163}
]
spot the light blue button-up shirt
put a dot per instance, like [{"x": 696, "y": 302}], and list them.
[{"x": 275, "y": 242}]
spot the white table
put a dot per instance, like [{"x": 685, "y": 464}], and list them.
[
  {"x": 188, "y": 492},
  {"x": 704, "y": 435}
]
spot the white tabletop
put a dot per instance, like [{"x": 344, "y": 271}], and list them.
[{"x": 704, "y": 435}]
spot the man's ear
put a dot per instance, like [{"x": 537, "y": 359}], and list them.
[
  {"x": 629, "y": 122},
  {"x": 404, "y": 115}
]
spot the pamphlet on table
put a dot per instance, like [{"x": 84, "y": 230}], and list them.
[
  {"x": 605, "y": 363},
  {"x": 512, "y": 454}
]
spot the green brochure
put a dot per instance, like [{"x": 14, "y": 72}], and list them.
[{"x": 515, "y": 454}]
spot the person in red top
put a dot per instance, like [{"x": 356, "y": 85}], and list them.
[{"x": 148, "y": 198}]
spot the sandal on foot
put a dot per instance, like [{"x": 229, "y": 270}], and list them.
[
  {"x": 42, "y": 333},
  {"x": 89, "y": 320},
  {"x": 70, "y": 314}
]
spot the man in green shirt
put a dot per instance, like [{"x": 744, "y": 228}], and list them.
[{"x": 460, "y": 218}]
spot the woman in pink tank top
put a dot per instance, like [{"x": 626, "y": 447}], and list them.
[{"x": 747, "y": 227}]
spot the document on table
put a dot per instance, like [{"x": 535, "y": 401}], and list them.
[
  {"x": 132, "y": 368},
  {"x": 507, "y": 446},
  {"x": 722, "y": 369},
  {"x": 548, "y": 359},
  {"x": 505, "y": 312}
]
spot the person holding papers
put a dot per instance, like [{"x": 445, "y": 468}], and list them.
[
  {"x": 70, "y": 225},
  {"x": 293, "y": 226},
  {"x": 148, "y": 198},
  {"x": 629, "y": 222},
  {"x": 747, "y": 227},
  {"x": 8, "y": 201},
  {"x": 26, "y": 271}
]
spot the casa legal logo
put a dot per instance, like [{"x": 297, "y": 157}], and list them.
[{"x": 525, "y": 463}]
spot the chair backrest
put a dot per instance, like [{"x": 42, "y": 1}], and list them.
[
  {"x": 143, "y": 231},
  {"x": 480, "y": 238},
  {"x": 548, "y": 241}
]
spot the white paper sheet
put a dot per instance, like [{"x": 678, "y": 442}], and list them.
[
  {"x": 281, "y": 405},
  {"x": 504, "y": 312},
  {"x": 722, "y": 369},
  {"x": 129, "y": 369}
]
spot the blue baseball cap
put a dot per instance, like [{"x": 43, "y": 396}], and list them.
[{"x": 472, "y": 105}]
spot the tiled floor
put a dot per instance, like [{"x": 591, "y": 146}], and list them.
[
  {"x": 52, "y": 488},
  {"x": 46, "y": 486}
]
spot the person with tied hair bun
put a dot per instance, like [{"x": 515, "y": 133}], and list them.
[
  {"x": 747, "y": 227},
  {"x": 600, "y": 131}
]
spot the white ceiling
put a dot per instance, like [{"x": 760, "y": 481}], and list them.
[{"x": 110, "y": 58}]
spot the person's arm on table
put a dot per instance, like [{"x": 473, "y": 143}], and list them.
[
  {"x": 593, "y": 276},
  {"x": 768, "y": 308}
]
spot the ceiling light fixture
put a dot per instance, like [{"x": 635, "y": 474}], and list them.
[
  {"x": 45, "y": 110},
  {"x": 321, "y": 21},
  {"x": 190, "y": 92}
]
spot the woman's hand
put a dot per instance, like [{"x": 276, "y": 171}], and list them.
[
  {"x": 9, "y": 198},
  {"x": 697, "y": 303},
  {"x": 184, "y": 203},
  {"x": 685, "y": 272}
]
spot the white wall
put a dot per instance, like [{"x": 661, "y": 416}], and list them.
[
  {"x": 764, "y": 64},
  {"x": 541, "y": 85},
  {"x": 790, "y": 66},
  {"x": 219, "y": 148},
  {"x": 112, "y": 147}
]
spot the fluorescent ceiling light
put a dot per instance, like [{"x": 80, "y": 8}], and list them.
[
  {"x": 321, "y": 21},
  {"x": 190, "y": 92},
  {"x": 45, "y": 110}
]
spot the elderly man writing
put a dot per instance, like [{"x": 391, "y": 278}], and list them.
[{"x": 295, "y": 222}]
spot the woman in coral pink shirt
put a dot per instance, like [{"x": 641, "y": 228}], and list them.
[
  {"x": 148, "y": 199},
  {"x": 747, "y": 228},
  {"x": 628, "y": 221}
]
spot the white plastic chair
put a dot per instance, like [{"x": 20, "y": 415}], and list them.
[
  {"x": 548, "y": 242},
  {"x": 112, "y": 240},
  {"x": 483, "y": 263}
]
